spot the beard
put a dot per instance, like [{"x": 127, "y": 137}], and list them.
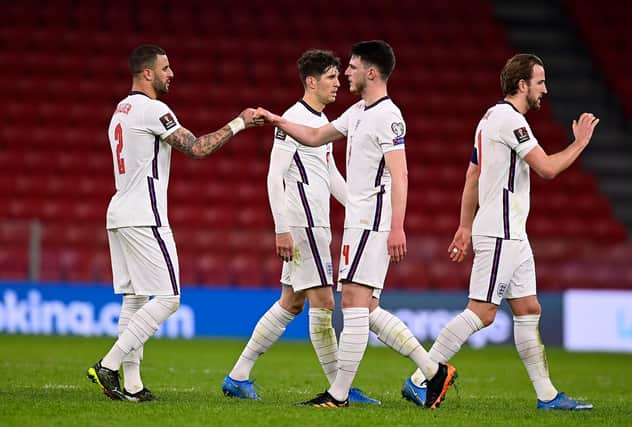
[
  {"x": 161, "y": 88},
  {"x": 358, "y": 88},
  {"x": 533, "y": 103}
]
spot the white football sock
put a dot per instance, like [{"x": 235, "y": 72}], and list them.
[
  {"x": 531, "y": 351},
  {"x": 353, "y": 341},
  {"x": 450, "y": 340},
  {"x": 140, "y": 328},
  {"x": 395, "y": 334},
  {"x": 267, "y": 331},
  {"x": 131, "y": 362},
  {"x": 323, "y": 338}
]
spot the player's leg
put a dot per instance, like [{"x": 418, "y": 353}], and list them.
[
  {"x": 492, "y": 266},
  {"x": 396, "y": 335},
  {"x": 133, "y": 383},
  {"x": 152, "y": 263},
  {"x": 122, "y": 283},
  {"x": 526, "y": 310},
  {"x": 266, "y": 332},
  {"x": 323, "y": 338},
  {"x": 363, "y": 265},
  {"x": 353, "y": 341},
  {"x": 321, "y": 330}
]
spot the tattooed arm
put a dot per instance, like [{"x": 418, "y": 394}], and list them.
[{"x": 200, "y": 147}]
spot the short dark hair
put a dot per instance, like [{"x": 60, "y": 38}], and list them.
[
  {"x": 315, "y": 62},
  {"x": 378, "y": 53},
  {"x": 518, "y": 67},
  {"x": 144, "y": 57}
]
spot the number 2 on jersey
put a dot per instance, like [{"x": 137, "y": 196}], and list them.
[
  {"x": 118, "y": 137},
  {"x": 345, "y": 253}
]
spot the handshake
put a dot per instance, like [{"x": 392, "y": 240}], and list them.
[{"x": 258, "y": 117}]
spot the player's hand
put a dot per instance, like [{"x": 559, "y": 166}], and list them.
[
  {"x": 583, "y": 127},
  {"x": 250, "y": 119},
  {"x": 267, "y": 117},
  {"x": 397, "y": 245},
  {"x": 458, "y": 249},
  {"x": 285, "y": 246}
]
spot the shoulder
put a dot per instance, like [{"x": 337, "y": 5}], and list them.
[
  {"x": 358, "y": 106},
  {"x": 292, "y": 112},
  {"x": 389, "y": 112}
]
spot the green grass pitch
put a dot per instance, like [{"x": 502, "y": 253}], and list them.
[{"x": 44, "y": 384}]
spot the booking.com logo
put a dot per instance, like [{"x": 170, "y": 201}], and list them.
[
  {"x": 34, "y": 315},
  {"x": 427, "y": 324}
]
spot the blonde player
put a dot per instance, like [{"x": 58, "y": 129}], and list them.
[
  {"x": 374, "y": 219},
  {"x": 494, "y": 210},
  {"x": 143, "y": 252},
  {"x": 300, "y": 182}
]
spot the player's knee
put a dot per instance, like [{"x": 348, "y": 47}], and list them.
[
  {"x": 295, "y": 307},
  {"x": 326, "y": 303},
  {"x": 487, "y": 315},
  {"x": 171, "y": 302}
]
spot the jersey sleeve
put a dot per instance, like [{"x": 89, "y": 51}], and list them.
[
  {"x": 282, "y": 140},
  {"x": 342, "y": 122},
  {"x": 516, "y": 133},
  {"x": 161, "y": 121},
  {"x": 391, "y": 132}
]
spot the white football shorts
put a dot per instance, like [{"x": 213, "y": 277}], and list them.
[
  {"x": 144, "y": 261},
  {"x": 364, "y": 258},
  {"x": 501, "y": 269},
  {"x": 311, "y": 264}
]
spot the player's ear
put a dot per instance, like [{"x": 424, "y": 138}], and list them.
[
  {"x": 148, "y": 74},
  {"x": 372, "y": 74},
  {"x": 311, "y": 82}
]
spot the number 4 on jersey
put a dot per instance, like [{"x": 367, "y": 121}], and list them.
[{"x": 118, "y": 136}]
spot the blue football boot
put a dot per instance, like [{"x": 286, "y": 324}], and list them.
[
  {"x": 241, "y": 389},
  {"x": 564, "y": 403},
  {"x": 413, "y": 393}
]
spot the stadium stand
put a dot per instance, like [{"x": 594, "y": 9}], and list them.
[{"x": 65, "y": 65}]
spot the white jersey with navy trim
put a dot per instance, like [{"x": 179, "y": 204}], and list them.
[
  {"x": 371, "y": 132},
  {"x": 141, "y": 161},
  {"x": 502, "y": 139},
  {"x": 307, "y": 184}
]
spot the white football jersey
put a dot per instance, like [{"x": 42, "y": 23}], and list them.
[
  {"x": 371, "y": 131},
  {"x": 307, "y": 187},
  {"x": 141, "y": 161},
  {"x": 503, "y": 137}
]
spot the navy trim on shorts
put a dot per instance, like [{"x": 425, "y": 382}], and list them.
[
  {"x": 154, "y": 203},
  {"x": 305, "y": 202},
  {"x": 495, "y": 265},
  {"x": 165, "y": 253},
  {"x": 358, "y": 255},
  {"x": 317, "y": 260}
]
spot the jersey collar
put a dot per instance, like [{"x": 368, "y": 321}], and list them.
[
  {"x": 310, "y": 109},
  {"x": 502, "y": 101},
  {"x": 384, "y": 98},
  {"x": 137, "y": 92}
]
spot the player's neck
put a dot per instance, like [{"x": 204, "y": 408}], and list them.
[
  {"x": 519, "y": 103},
  {"x": 374, "y": 92},
  {"x": 313, "y": 102},
  {"x": 146, "y": 89}
]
